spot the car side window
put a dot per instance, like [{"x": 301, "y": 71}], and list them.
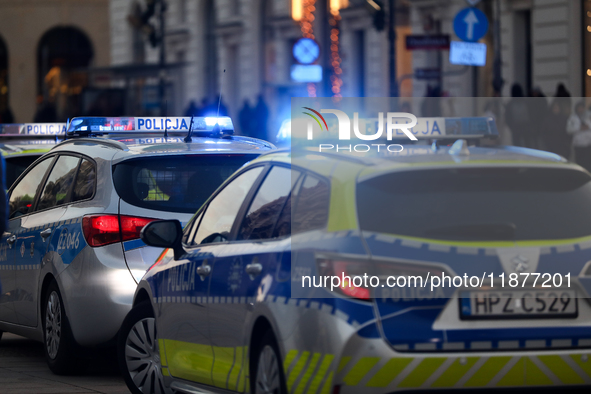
[
  {"x": 221, "y": 211},
  {"x": 311, "y": 209},
  {"x": 85, "y": 181},
  {"x": 23, "y": 195},
  {"x": 262, "y": 215},
  {"x": 59, "y": 183}
]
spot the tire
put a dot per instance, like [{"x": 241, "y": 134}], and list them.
[
  {"x": 59, "y": 345},
  {"x": 138, "y": 353},
  {"x": 266, "y": 370}
]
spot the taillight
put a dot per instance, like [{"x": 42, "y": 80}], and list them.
[
  {"x": 357, "y": 278},
  {"x": 101, "y": 230},
  {"x": 351, "y": 275}
]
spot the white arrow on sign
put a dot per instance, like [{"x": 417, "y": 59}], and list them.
[{"x": 470, "y": 20}]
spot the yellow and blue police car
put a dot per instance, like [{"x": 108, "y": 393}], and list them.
[{"x": 246, "y": 298}]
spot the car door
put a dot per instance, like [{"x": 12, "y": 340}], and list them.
[
  {"x": 183, "y": 323},
  {"x": 20, "y": 204},
  {"x": 37, "y": 230},
  {"x": 244, "y": 272}
]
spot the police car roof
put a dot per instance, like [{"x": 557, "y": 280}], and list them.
[{"x": 427, "y": 156}]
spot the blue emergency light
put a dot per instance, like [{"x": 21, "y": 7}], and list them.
[{"x": 94, "y": 126}]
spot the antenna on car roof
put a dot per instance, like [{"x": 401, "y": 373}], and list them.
[
  {"x": 216, "y": 128},
  {"x": 190, "y": 133}
]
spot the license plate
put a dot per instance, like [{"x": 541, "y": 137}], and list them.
[{"x": 556, "y": 303}]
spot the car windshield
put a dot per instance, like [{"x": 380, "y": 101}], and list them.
[
  {"x": 175, "y": 184},
  {"x": 478, "y": 204}
]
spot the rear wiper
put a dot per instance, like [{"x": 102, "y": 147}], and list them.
[{"x": 475, "y": 232}]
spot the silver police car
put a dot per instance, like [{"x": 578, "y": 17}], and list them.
[{"x": 71, "y": 257}]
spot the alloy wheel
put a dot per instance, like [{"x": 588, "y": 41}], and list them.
[
  {"x": 142, "y": 357},
  {"x": 267, "y": 379},
  {"x": 53, "y": 324}
]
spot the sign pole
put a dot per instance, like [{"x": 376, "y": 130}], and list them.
[{"x": 392, "y": 41}]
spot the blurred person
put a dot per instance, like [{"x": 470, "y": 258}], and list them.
[
  {"x": 538, "y": 108},
  {"x": 261, "y": 119},
  {"x": 431, "y": 105},
  {"x": 46, "y": 112},
  {"x": 6, "y": 116},
  {"x": 203, "y": 106},
  {"x": 517, "y": 117},
  {"x": 245, "y": 117},
  {"x": 192, "y": 109},
  {"x": 579, "y": 125},
  {"x": 556, "y": 139}
]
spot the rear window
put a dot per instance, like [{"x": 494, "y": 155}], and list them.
[
  {"x": 15, "y": 166},
  {"x": 174, "y": 184},
  {"x": 478, "y": 204}
]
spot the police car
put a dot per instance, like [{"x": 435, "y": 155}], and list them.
[
  {"x": 22, "y": 144},
  {"x": 71, "y": 256},
  {"x": 230, "y": 306}
]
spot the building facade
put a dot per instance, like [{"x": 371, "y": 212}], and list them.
[
  {"x": 45, "y": 47},
  {"x": 243, "y": 49}
]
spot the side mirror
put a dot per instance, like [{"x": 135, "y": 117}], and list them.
[{"x": 164, "y": 234}]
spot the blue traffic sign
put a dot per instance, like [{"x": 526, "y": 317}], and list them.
[
  {"x": 470, "y": 24},
  {"x": 306, "y": 51}
]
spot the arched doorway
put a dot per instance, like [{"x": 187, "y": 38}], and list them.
[
  {"x": 63, "y": 55},
  {"x": 5, "y": 112}
]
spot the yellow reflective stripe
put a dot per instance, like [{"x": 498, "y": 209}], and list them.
[
  {"x": 388, "y": 372},
  {"x": 359, "y": 370},
  {"x": 162, "y": 351},
  {"x": 455, "y": 372},
  {"x": 585, "y": 365},
  {"x": 295, "y": 372},
  {"x": 561, "y": 369},
  {"x": 321, "y": 373},
  {"x": 422, "y": 372},
  {"x": 327, "y": 385},
  {"x": 534, "y": 376},
  {"x": 487, "y": 371},
  {"x": 515, "y": 376},
  {"x": 343, "y": 363},
  {"x": 245, "y": 372},
  {"x": 165, "y": 372},
  {"x": 291, "y": 355},
  {"x": 236, "y": 369},
  {"x": 223, "y": 361},
  {"x": 308, "y": 373},
  {"x": 189, "y": 361},
  {"x": 342, "y": 211}
]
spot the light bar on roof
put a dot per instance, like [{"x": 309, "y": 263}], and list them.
[
  {"x": 33, "y": 129},
  {"x": 98, "y": 125}
]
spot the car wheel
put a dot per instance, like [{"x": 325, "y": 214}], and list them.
[
  {"x": 138, "y": 353},
  {"x": 267, "y": 371},
  {"x": 59, "y": 344}
]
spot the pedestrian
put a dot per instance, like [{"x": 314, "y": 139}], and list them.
[
  {"x": 538, "y": 108},
  {"x": 517, "y": 117},
  {"x": 261, "y": 119},
  {"x": 245, "y": 118},
  {"x": 6, "y": 116},
  {"x": 555, "y": 136},
  {"x": 191, "y": 109},
  {"x": 579, "y": 125}
]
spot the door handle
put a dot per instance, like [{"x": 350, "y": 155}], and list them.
[
  {"x": 203, "y": 270},
  {"x": 45, "y": 233},
  {"x": 254, "y": 269},
  {"x": 11, "y": 239}
]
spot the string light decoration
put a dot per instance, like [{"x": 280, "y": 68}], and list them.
[
  {"x": 335, "y": 58},
  {"x": 306, "y": 19}
]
